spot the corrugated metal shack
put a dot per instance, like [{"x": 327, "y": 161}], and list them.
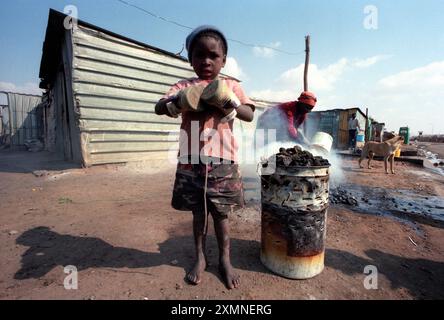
[
  {"x": 102, "y": 91},
  {"x": 335, "y": 123},
  {"x": 21, "y": 120}
]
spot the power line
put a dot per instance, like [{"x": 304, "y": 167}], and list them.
[
  {"x": 191, "y": 28},
  {"x": 155, "y": 15}
]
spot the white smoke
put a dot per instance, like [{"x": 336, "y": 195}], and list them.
[
  {"x": 255, "y": 146},
  {"x": 336, "y": 173}
]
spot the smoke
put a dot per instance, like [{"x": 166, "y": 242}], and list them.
[
  {"x": 258, "y": 141},
  {"x": 311, "y": 126},
  {"x": 337, "y": 176}
]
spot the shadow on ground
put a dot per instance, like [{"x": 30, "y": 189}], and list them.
[
  {"x": 26, "y": 162},
  {"x": 47, "y": 249},
  {"x": 423, "y": 278}
]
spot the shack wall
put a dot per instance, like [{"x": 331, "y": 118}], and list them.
[
  {"x": 116, "y": 85},
  {"x": 24, "y": 122}
]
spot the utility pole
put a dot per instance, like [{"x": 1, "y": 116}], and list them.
[{"x": 307, "y": 61}]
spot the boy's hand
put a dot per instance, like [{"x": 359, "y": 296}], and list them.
[
  {"x": 218, "y": 95},
  {"x": 185, "y": 100},
  {"x": 172, "y": 106},
  {"x": 189, "y": 98}
]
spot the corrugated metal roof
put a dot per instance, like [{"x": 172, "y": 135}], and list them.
[{"x": 52, "y": 45}]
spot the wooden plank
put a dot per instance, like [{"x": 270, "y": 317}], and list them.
[
  {"x": 101, "y": 125},
  {"x": 65, "y": 119},
  {"x": 72, "y": 114},
  {"x": 343, "y": 130},
  {"x": 84, "y": 141},
  {"x": 59, "y": 128}
]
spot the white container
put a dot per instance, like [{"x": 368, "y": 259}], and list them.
[{"x": 322, "y": 140}]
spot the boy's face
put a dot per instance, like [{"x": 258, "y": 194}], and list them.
[{"x": 207, "y": 58}]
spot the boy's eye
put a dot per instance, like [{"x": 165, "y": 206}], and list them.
[
  {"x": 200, "y": 55},
  {"x": 203, "y": 55}
]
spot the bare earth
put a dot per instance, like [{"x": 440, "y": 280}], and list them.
[{"x": 115, "y": 224}]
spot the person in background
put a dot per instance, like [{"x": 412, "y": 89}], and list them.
[
  {"x": 353, "y": 127},
  {"x": 286, "y": 118}
]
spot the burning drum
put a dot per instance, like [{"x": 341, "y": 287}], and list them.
[{"x": 294, "y": 212}]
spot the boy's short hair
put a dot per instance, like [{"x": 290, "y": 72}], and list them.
[{"x": 202, "y": 31}]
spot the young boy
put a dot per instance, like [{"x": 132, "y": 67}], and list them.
[{"x": 213, "y": 183}]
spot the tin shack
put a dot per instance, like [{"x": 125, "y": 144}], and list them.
[{"x": 101, "y": 91}]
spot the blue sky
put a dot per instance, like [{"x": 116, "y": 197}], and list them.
[{"x": 395, "y": 68}]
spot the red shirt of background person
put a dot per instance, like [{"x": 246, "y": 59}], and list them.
[
  {"x": 297, "y": 111},
  {"x": 292, "y": 113}
]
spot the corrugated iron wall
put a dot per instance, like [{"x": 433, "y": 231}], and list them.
[
  {"x": 327, "y": 121},
  {"x": 116, "y": 85},
  {"x": 335, "y": 123},
  {"x": 23, "y": 122}
]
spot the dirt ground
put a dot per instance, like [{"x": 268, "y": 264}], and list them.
[{"x": 114, "y": 223}]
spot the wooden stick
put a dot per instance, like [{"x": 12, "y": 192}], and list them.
[
  {"x": 307, "y": 61},
  {"x": 366, "y": 133}
]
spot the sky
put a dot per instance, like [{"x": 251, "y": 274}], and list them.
[{"x": 387, "y": 56}]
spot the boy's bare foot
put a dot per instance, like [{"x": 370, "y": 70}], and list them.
[
  {"x": 232, "y": 279},
  {"x": 194, "y": 276}
]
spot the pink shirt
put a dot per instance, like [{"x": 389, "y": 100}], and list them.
[{"x": 203, "y": 133}]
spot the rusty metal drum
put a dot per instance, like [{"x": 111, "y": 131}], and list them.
[{"x": 294, "y": 215}]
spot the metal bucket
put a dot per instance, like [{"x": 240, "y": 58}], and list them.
[{"x": 294, "y": 213}]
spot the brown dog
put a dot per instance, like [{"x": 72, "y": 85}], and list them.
[{"x": 385, "y": 149}]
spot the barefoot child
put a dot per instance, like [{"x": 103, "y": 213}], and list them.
[{"x": 207, "y": 176}]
